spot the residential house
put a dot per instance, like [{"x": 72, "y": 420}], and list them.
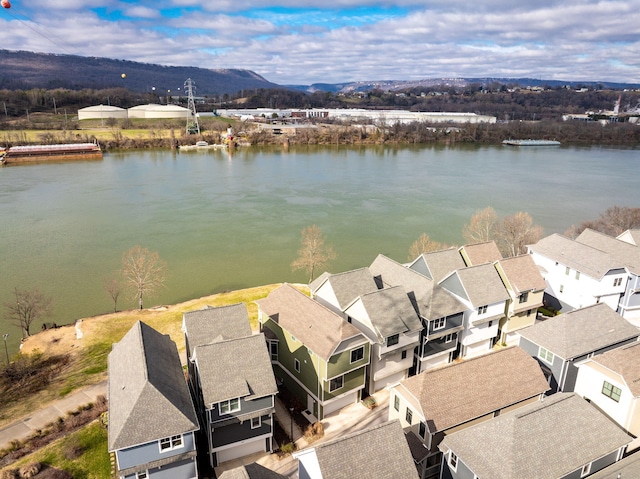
[
  {"x": 482, "y": 291},
  {"x": 440, "y": 401},
  {"x": 250, "y": 471},
  {"x": 525, "y": 286},
  {"x": 338, "y": 291},
  {"x": 561, "y": 343},
  {"x": 379, "y": 452},
  {"x": 440, "y": 312},
  {"x": 316, "y": 354},
  {"x": 152, "y": 419},
  {"x": 561, "y": 437},
  {"x": 232, "y": 381},
  {"x": 593, "y": 268},
  {"x": 626, "y": 468},
  {"x": 611, "y": 381},
  {"x": 480, "y": 253}
]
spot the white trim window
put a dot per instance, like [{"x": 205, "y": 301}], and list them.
[
  {"x": 357, "y": 354},
  {"x": 523, "y": 298},
  {"x": 483, "y": 309},
  {"x": 256, "y": 422},
  {"x": 396, "y": 403},
  {"x": 393, "y": 340},
  {"x": 611, "y": 391},
  {"x": 545, "y": 355},
  {"x": 296, "y": 364},
  {"x": 617, "y": 281},
  {"x": 453, "y": 461},
  {"x": 439, "y": 323},
  {"x": 336, "y": 383},
  {"x": 227, "y": 407},
  {"x": 171, "y": 443},
  {"x": 273, "y": 350},
  {"x": 586, "y": 470},
  {"x": 142, "y": 474}
]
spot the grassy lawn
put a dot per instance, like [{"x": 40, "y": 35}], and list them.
[
  {"x": 82, "y": 453},
  {"x": 88, "y": 364}
]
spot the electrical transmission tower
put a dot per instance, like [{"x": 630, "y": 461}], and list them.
[{"x": 193, "y": 127}]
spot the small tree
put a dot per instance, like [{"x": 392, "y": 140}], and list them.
[
  {"x": 143, "y": 272},
  {"x": 481, "y": 227},
  {"x": 515, "y": 232},
  {"x": 112, "y": 286},
  {"x": 29, "y": 306},
  {"x": 424, "y": 244},
  {"x": 314, "y": 253}
]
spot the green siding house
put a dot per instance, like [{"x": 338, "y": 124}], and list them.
[{"x": 317, "y": 355}]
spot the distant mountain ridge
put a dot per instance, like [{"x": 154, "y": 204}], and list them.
[{"x": 26, "y": 70}]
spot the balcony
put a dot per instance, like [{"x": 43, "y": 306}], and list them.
[
  {"x": 452, "y": 324},
  {"x": 438, "y": 346}
]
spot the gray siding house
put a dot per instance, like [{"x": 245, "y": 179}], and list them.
[
  {"x": 152, "y": 419},
  {"x": 562, "y": 342},
  {"x": 563, "y": 437}
]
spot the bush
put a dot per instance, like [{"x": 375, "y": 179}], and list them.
[{"x": 30, "y": 470}]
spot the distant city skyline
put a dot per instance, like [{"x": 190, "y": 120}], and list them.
[{"x": 344, "y": 40}]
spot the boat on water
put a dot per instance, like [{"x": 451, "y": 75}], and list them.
[
  {"x": 63, "y": 152},
  {"x": 201, "y": 145},
  {"x": 531, "y": 142}
]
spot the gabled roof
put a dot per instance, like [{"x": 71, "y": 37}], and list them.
[
  {"x": 379, "y": 452},
  {"x": 349, "y": 285},
  {"x": 441, "y": 263},
  {"x": 317, "y": 327},
  {"x": 522, "y": 273},
  {"x": 481, "y": 253},
  {"x": 624, "y": 361},
  {"x": 482, "y": 284},
  {"x": 459, "y": 392},
  {"x": 579, "y": 256},
  {"x": 581, "y": 331},
  {"x": 391, "y": 311},
  {"x": 547, "y": 439},
  {"x": 623, "y": 253},
  {"x": 251, "y": 471},
  {"x": 237, "y": 368},
  {"x": 148, "y": 394},
  {"x": 630, "y": 236},
  {"x": 216, "y": 324}
]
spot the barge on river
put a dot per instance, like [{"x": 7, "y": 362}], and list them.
[
  {"x": 531, "y": 142},
  {"x": 65, "y": 152}
]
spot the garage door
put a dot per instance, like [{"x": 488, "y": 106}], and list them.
[
  {"x": 241, "y": 450},
  {"x": 340, "y": 403}
]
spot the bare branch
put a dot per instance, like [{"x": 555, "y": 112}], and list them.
[
  {"x": 144, "y": 273},
  {"x": 314, "y": 253},
  {"x": 29, "y": 306},
  {"x": 481, "y": 227},
  {"x": 424, "y": 244}
]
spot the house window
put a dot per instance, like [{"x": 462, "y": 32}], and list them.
[
  {"x": 273, "y": 349},
  {"x": 617, "y": 281},
  {"x": 404, "y": 354},
  {"x": 336, "y": 383},
  {"x": 586, "y": 470},
  {"x": 489, "y": 324},
  {"x": 423, "y": 430},
  {"x": 453, "y": 461},
  {"x": 611, "y": 391},
  {"x": 232, "y": 405},
  {"x": 561, "y": 288},
  {"x": 529, "y": 311},
  {"x": 396, "y": 403},
  {"x": 439, "y": 323},
  {"x": 357, "y": 354},
  {"x": 169, "y": 443},
  {"x": 142, "y": 475},
  {"x": 256, "y": 422},
  {"x": 524, "y": 297},
  {"x": 449, "y": 337},
  {"x": 545, "y": 355},
  {"x": 409, "y": 415},
  {"x": 296, "y": 364},
  {"x": 567, "y": 270},
  {"x": 482, "y": 309},
  {"x": 349, "y": 319},
  {"x": 577, "y": 274},
  {"x": 393, "y": 340}
]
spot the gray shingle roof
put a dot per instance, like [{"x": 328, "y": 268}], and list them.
[
  {"x": 391, "y": 311},
  {"x": 581, "y": 331},
  {"x": 379, "y": 452},
  {"x": 148, "y": 394},
  {"x": 481, "y": 253},
  {"x": 349, "y": 285},
  {"x": 251, "y": 471},
  {"x": 211, "y": 324},
  {"x": 237, "y": 368},
  {"x": 578, "y": 256},
  {"x": 522, "y": 273},
  {"x": 625, "y": 361},
  {"x": 317, "y": 327},
  {"x": 543, "y": 440},
  {"x": 623, "y": 253},
  {"x": 463, "y": 391},
  {"x": 481, "y": 283},
  {"x": 441, "y": 263}
]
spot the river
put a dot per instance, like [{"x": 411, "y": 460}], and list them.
[{"x": 225, "y": 221}]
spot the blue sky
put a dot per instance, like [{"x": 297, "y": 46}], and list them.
[{"x": 344, "y": 40}]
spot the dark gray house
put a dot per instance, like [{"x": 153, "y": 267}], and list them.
[
  {"x": 562, "y": 342},
  {"x": 152, "y": 419},
  {"x": 563, "y": 437}
]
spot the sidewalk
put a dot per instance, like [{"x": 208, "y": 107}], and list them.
[{"x": 24, "y": 427}]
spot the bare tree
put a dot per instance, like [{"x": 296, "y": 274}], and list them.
[
  {"x": 613, "y": 222},
  {"x": 112, "y": 286},
  {"x": 515, "y": 232},
  {"x": 314, "y": 253},
  {"x": 424, "y": 244},
  {"x": 29, "y": 306},
  {"x": 143, "y": 272},
  {"x": 481, "y": 227}
]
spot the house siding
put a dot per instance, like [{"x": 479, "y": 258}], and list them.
[
  {"x": 246, "y": 407},
  {"x": 555, "y": 369},
  {"x": 150, "y": 451},
  {"x": 338, "y": 363},
  {"x": 178, "y": 470},
  {"x": 240, "y": 431}
]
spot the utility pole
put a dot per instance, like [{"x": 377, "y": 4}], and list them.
[{"x": 193, "y": 127}]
